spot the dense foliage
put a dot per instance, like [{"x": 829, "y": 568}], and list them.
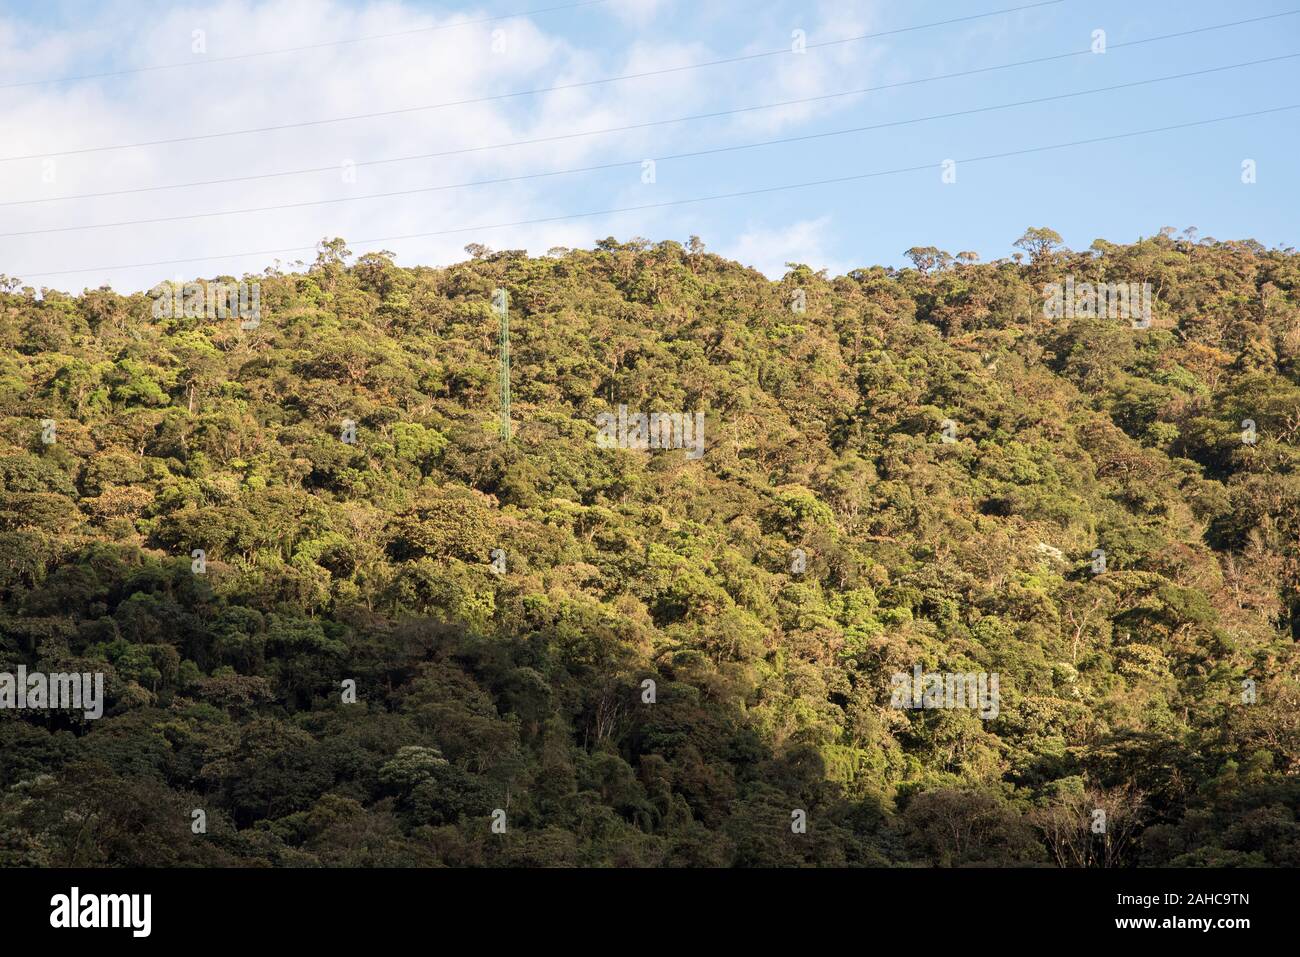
[{"x": 329, "y": 561}]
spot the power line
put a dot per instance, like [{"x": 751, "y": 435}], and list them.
[
  {"x": 519, "y": 93},
  {"x": 310, "y": 46},
  {"x": 673, "y": 156},
  {"x": 652, "y": 123},
  {"x": 683, "y": 202}
]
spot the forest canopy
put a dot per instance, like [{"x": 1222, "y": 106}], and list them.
[{"x": 342, "y": 616}]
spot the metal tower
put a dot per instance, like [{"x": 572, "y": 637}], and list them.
[{"x": 500, "y": 302}]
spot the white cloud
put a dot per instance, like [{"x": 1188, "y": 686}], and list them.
[
  {"x": 640, "y": 12},
  {"x": 768, "y": 250},
  {"x": 396, "y": 73}
]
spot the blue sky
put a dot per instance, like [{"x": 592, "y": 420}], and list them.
[{"x": 1118, "y": 190}]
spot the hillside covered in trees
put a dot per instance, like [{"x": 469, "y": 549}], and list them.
[{"x": 945, "y": 459}]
